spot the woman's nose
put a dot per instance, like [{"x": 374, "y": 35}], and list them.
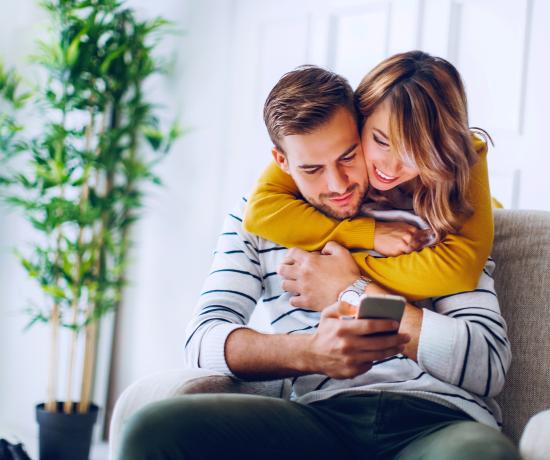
[{"x": 395, "y": 166}]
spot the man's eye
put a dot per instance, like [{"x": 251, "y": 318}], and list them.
[
  {"x": 379, "y": 141},
  {"x": 311, "y": 171},
  {"x": 348, "y": 159}
]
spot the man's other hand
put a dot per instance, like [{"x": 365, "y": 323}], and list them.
[
  {"x": 345, "y": 348},
  {"x": 316, "y": 278}
]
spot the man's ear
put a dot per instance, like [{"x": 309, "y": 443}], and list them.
[{"x": 281, "y": 159}]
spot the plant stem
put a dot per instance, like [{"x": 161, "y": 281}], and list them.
[
  {"x": 76, "y": 296},
  {"x": 91, "y": 328},
  {"x": 77, "y": 281},
  {"x": 89, "y": 362},
  {"x": 51, "y": 403}
]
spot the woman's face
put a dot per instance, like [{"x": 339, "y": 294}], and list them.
[{"x": 384, "y": 168}]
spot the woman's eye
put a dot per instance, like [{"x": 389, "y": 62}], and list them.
[{"x": 380, "y": 141}]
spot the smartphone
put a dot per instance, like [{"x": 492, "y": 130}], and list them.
[{"x": 381, "y": 306}]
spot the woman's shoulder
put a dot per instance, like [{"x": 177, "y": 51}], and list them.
[{"x": 480, "y": 143}]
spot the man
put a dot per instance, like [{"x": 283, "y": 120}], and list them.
[{"x": 361, "y": 388}]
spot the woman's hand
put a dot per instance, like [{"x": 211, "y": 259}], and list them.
[
  {"x": 316, "y": 278},
  {"x": 396, "y": 238}
]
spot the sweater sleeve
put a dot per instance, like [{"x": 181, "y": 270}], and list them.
[
  {"x": 463, "y": 341},
  {"x": 274, "y": 212},
  {"x": 228, "y": 298}
]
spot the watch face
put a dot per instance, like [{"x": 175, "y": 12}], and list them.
[{"x": 350, "y": 297}]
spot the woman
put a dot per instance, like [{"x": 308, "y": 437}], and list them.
[{"x": 421, "y": 154}]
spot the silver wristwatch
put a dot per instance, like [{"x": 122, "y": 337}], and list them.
[{"x": 353, "y": 293}]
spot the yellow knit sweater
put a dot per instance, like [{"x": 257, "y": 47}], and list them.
[{"x": 276, "y": 212}]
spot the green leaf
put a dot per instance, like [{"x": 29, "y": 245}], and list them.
[
  {"x": 104, "y": 68},
  {"x": 38, "y": 317},
  {"x": 53, "y": 291},
  {"x": 31, "y": 269},
  {"x": 22, "y": 203},
  {"x": 154, "y": 137},
  {"x": 72, "y": 50}
]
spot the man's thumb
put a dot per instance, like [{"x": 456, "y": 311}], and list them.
[{"x": 332, "y": 311}]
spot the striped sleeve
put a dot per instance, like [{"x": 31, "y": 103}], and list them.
[
  {"x": 463, "y": 341},
  {"x": 229, "y": 296}
]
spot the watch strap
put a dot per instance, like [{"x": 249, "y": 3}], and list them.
[{"x": 358, "y": 286}]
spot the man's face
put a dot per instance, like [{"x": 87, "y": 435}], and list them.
[{"x": 328, "y": 165}]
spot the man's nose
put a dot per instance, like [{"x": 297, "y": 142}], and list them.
[{"x": 337, "y": 181}]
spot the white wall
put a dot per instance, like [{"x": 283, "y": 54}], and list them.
[{"x": 231, "y": 55}]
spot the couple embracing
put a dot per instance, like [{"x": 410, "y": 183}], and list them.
[{"x": 378, "y": 191}]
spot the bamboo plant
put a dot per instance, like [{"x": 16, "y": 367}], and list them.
[{"x": 78, "y": 173}]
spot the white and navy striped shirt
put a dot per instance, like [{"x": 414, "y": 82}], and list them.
[{"x": 463, "y": 353}]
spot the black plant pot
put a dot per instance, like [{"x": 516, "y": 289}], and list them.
[{"x": 65, "y": 436}]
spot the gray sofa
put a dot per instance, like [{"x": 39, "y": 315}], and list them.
[{"x": 522, "y": 255}]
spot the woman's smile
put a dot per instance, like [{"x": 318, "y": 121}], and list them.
[{"x": 383, "y": 177}]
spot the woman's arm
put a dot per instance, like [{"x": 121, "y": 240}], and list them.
[{"x": 453, "y": 265}]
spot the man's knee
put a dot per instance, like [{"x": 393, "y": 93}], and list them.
[
  {"x": 140, "y": 434},
  {"x": 149, "y": 433},
  {"x": 469, "y": 440}
]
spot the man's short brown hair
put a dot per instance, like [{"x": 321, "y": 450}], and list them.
[{"x": 303, "y": 100}]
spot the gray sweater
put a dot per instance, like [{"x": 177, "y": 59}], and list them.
[{"x": 463, "y": 353}]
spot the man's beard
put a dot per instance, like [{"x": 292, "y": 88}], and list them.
[{"x": 329, "y": 211}]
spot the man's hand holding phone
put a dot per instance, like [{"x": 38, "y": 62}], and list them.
[{"x": 345, "y": 348}]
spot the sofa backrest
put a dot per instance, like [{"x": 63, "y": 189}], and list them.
[{"x": 522, "y": 279}]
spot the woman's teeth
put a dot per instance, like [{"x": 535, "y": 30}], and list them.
[{"x": 384, "y": 176}]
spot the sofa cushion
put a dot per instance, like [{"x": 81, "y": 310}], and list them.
[{"x": 522, "y": 279}]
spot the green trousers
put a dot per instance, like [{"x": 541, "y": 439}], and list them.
[{"x": 380, "y": 426}]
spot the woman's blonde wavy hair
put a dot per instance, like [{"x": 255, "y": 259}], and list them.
[{"x": 428, "y": 129}]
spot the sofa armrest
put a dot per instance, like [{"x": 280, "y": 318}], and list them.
[
  {"x": 535, "y": 440},
  {"x": 169, "y": 384}
]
